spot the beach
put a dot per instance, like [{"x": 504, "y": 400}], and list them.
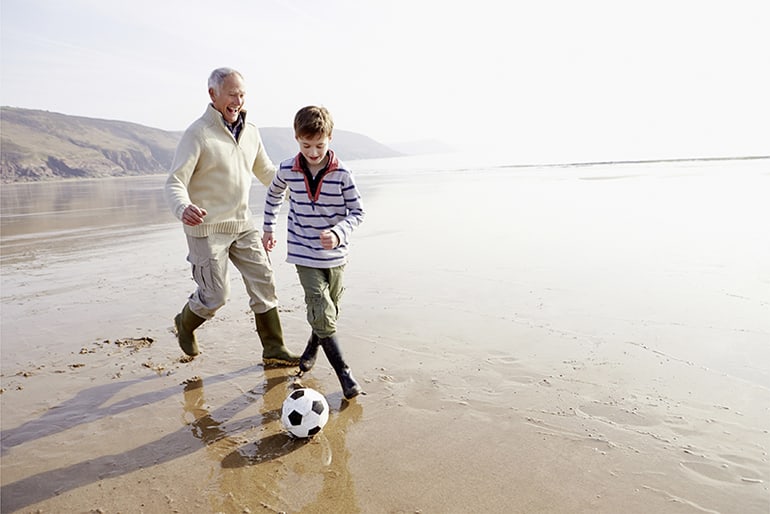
[{"x": 531, "y": 339}]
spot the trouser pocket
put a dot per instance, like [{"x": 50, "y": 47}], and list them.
[{"x": 209, "y": 271}]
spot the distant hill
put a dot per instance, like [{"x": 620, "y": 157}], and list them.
[
  {"x": 41, "y": 145},
  {"x": 280, "y": 145}
]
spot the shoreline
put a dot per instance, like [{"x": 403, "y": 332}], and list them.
[{"x": 546, "y": 165}]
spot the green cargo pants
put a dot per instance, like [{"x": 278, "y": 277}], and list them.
[{"x": 323, "y": 290}]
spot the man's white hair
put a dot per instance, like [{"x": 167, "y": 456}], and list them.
[{"x": 218, "y": 76}]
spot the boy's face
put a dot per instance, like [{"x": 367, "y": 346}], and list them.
[
  {"x": 314, "y": 148},
  {"x": 229, "y": 99}
]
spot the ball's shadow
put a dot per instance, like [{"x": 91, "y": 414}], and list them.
[
  {"x": 264, "y": 450},
  {"x": 276, "y": 445}
]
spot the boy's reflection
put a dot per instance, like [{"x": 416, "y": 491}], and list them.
[{"x": 338, "y": 491}]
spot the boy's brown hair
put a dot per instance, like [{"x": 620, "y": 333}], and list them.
[{"x": 313, "y": 121}]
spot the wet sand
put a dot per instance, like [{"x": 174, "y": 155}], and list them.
[{"x": 578, "y": 339}]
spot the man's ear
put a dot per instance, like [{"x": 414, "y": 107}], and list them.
[{"x": 212, "y": 95}]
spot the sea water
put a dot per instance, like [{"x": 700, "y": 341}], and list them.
[{"x": 72, "y": 206}]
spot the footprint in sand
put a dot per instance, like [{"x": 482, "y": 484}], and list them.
[
  {"x": 616, "y": 415},
  {"x": 723, "y": 472}
]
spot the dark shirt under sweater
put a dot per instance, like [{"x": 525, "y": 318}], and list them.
[{"x": 312, "y": 182}]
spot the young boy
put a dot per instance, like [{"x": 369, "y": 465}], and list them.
[{"x": 324, "y": 208}]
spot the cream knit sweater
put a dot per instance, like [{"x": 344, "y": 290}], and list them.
[{"x": 214, "y": 171}]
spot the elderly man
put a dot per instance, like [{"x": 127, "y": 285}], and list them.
[{"x": 208, "y": 190}]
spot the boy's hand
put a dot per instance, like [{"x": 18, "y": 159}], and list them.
[
  {"x": 268, "y": 241},
  {"x": 329, "y": 239}
]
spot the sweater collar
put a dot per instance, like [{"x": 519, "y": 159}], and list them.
[{"x": 334, "y": 163}]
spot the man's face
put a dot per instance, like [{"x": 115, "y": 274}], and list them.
[
  {"x": 229, "y": 99},
  {"x": 314, "y": 148}
]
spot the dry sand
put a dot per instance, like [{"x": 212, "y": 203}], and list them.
[{"x": 589, "y": 339}]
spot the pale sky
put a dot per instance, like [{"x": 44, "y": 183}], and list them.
[{"x": 547, "y": 80}]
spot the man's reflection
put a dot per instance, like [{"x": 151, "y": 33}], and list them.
[
  {"x": 204, "y": 426},
  {"x": 264, "y": 469}
]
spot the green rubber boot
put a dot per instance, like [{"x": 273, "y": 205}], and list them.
[
  {"x": 186, "y": 322},
  {"x": 274, "y": 351}
]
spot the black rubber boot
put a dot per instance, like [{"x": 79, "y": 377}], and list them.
[
  {"x": 186, "y": 322},
  {"x": 274, "y": 352},
  {"x": 350, "y": 387},
  {"x": 307, "y": 360}
]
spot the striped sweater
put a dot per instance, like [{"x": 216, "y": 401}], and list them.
[{"x": 336, "y": 206}]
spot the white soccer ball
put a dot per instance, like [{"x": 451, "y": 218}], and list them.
[{"x": 304, "y": 412}]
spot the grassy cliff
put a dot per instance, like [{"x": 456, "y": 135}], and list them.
[{"x": 41, "y": 145}]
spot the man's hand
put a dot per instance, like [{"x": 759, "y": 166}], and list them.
[{"x": 193, "y": 215}]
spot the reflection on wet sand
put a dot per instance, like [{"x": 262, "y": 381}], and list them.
[
  {"x": 259, "y": 471},
  {"x": 71, "y": 206},
  {"x": 271, "y": 469},
  {"x": 86, "y": 408}
]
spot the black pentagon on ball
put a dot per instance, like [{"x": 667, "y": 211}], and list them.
[
  {"x": 299, "y": 393},
  {"x": 318, "y": 406},
  {"x": 295, "y": 418},
  {"x": 313, "y": 431}
]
